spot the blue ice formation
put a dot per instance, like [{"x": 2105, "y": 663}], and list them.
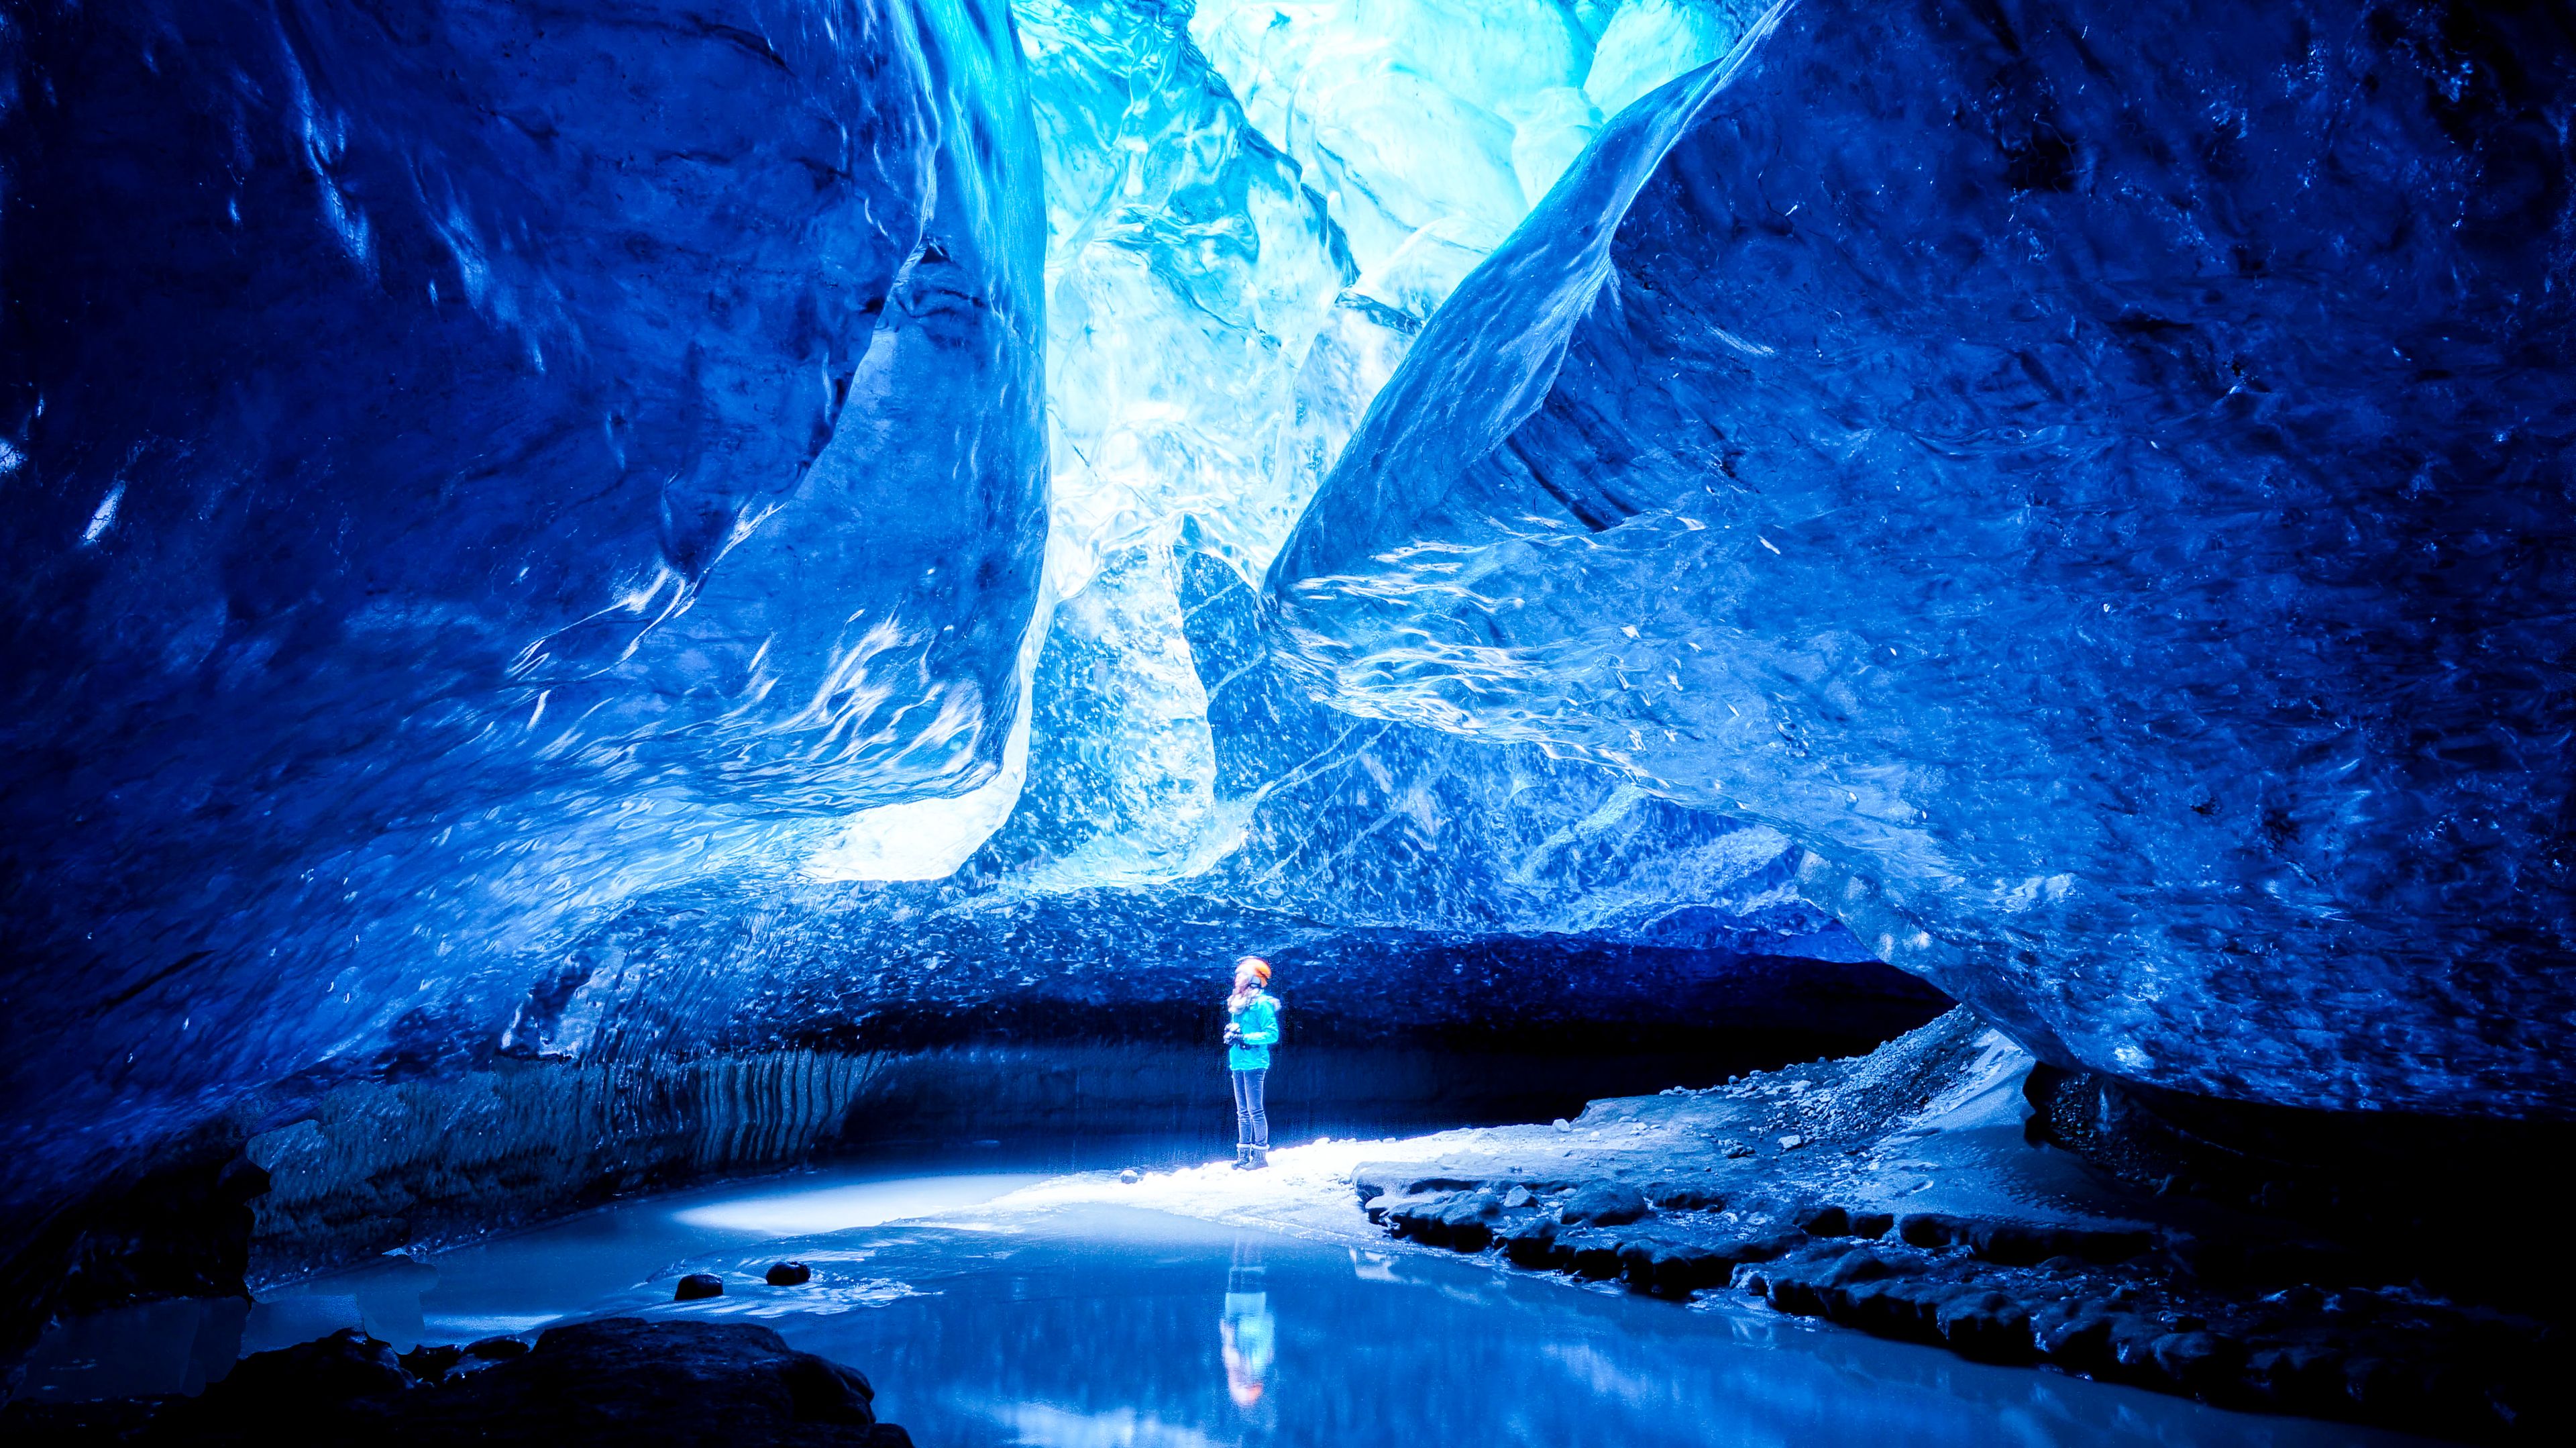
[
  {"x": 2096, "y": 476},
  {"x": 674, "y": 529},
  {"x": 1404, "y": 878},
  {"x": 466, "y": 465},
  {"x": 543, "y": 535},
  {"x": 1430, "y": 127},
  {"x": 1229, "y": 282},
  {"x": 1214, "y": 333},
  {"x": 1189, "y": 274}
]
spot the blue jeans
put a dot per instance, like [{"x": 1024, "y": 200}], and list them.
[{"x": 1251, "y": 1118}]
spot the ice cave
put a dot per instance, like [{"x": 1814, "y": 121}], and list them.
[{"x": 1837, "y": 722}]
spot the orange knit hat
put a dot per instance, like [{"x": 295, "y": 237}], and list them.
[{"x": 1259, "y": 967}]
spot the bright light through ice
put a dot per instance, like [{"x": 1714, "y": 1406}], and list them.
[
  {"x": 923, "y": 839},
  {"x": 838, "y": 1209},
  {"x": 1210, "y": 369},
  {"x": 927, "y": 839},
  {"x": 100, "y": 521}
]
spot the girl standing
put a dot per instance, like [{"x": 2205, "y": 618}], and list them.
[{"x": 1252, "y": 1028}]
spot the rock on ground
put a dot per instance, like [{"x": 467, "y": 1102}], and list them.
[
  {"x": 1914, "y": 1193},
  {"x": 619, "y": 1380}
]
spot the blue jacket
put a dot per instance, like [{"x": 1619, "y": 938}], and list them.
[{"x": 1259, "y": 1018}]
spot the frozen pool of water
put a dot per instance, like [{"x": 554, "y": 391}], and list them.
[{"x": 983, "y": 1325}]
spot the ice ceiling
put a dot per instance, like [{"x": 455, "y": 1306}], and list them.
[{"x": 535, "y": 529}]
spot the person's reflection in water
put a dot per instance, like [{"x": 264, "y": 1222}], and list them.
[{"x": 1249, "y": 1335}]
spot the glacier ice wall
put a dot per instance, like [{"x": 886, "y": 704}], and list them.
[
  {"x": 528, "y": 541},
  {"x": 1251, "y": 212},
  {"x": 2096, "y": 476},
  {"x": 1369, "y": 858},
  {"x": 1431, "y": 127},
  {"x": 1189, "y": 274},
  {"x": 468, "y": 465}
]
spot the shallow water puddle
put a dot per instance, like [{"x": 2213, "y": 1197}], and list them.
[{"x": 1090, "y": 1326}]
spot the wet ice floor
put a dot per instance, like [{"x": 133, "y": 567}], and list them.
[{"x": 1104, "y": 1325}]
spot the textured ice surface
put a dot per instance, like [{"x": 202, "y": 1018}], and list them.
[
  {"x": 1189, "y": 274},
  {"x": 1190, "y": 271},
  {"x": 526, "y": 537},
  {"x": 1212, "y": 336},
  {"x": 1430, "y": 127},
  {"x": 466, "y": 466},
  {"x": 550, "y": 535},
  {"x": 2096, "y": 475},
  {"x": 1401, "y": 876}
]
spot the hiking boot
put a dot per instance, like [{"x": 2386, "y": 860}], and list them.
[
  {"x": 1258, "y": 1158},
  {"x": 1243, "y": 1158}
]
